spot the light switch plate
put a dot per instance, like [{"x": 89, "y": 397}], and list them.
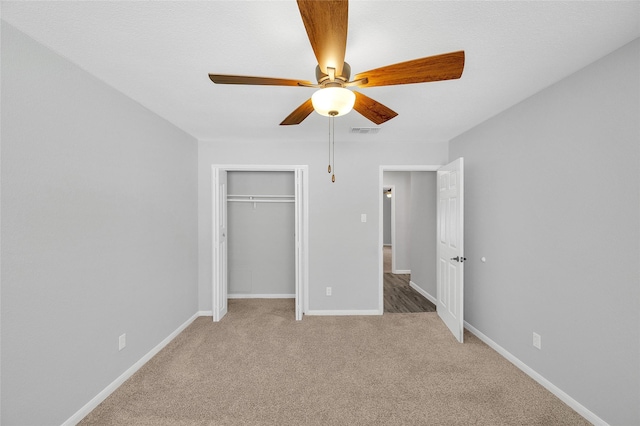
[{"x": 363, "y": 217}]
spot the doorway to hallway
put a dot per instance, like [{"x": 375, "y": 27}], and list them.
[
  {"x": 448, "y": 235},
  {"x": 408, "y": 238}
]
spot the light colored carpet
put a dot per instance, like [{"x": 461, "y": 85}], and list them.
[{"x": 258, "y": 366}]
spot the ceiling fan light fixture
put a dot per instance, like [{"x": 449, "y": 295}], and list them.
[{"x": 333, "y": 101}]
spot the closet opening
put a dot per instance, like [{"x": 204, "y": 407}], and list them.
[{"x": 259, "y": 235}]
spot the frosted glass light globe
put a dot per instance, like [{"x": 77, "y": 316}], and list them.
[{"x": 333, "y": 101}]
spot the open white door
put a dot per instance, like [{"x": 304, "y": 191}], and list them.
[
  {"x": 220, "y": 283},
  {"x": 450, "y": 248},
  {"x": 298, "y": 243}
]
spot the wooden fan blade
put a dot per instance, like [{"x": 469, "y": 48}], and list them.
[
  {"x": 372, "y": 110},
  {"x": 299, "y": 114},
  {"x": 260, "y": 81},
  {"x": 326, "y": 24},
  {"x": 448, "y": 66}
]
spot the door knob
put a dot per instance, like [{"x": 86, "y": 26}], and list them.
[{"x": 459, "y": 259}]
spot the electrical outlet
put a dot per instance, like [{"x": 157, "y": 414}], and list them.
[
  {"x": 328, "y": 291},
  {"x": 537, "y": 341},
  {"x": 122, "y": 342},
  {"x": 363, "y": 217}
]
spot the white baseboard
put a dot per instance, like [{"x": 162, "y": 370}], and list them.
[
  {"x": 89, "y": 406},
  {"x": 260, "y": 296},
  {"x": 579, "y": 408},
  {"x": 343, "y": 313},
  {"x": 204, "y": 313},
  {"x": 401, "y": 271},
  {"x": 423, "y": 293}
]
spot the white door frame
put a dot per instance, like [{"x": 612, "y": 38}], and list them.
[
  {"x": 409, "y": 168},
  {"x": 301, "y": 223}
]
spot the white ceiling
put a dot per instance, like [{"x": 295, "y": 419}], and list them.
[{"x": 160, "y": 54}]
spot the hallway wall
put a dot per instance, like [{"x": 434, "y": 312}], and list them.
[
  {"x": 416, "y": 221},
  {"x": 386, "y": 213},
  {"x": 423, "y": 231},
  {"x": 402, "y": 200}
]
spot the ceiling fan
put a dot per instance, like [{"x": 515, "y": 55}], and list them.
[{"x": 326, "y": 25}]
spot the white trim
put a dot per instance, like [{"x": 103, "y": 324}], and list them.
[
  {"x": 382, "y": 169},
  {"x": 260, "y": 296},
  {"x": 344, "y": 313},
  {"x": 91, "y": 405},
  {"x": 305, "y": 240},
  {"x": 204, "y": 313},
  {"x": 401, "y": 271},
  {"x": 218, "y": 292},
  {"x": 423, "y": 293},
  {"x": 410, "y": 168},
  {"x": 387, "y": 245},
  {"x": 564, "y": 397},
  {"x": 258, "y": 167}
]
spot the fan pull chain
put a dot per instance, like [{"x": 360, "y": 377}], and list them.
[
  {"x": 333, "y": 150},
  {"x": 329, "y": 168}
]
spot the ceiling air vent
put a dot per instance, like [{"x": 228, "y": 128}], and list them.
[{"x": 364, "y": 130}]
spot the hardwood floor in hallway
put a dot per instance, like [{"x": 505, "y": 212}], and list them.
[{"x": 399, "y": 297}]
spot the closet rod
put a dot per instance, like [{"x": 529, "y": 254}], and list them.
[
  {"x": 260, "y": 196},
  {"x": 257, "y": 200}
]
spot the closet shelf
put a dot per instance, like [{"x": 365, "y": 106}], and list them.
[{"x": 260, "y": 198}]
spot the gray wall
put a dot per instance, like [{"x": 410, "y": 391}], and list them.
[
  {"x": 402, "y": 195},
  {"x": 99, "y": 233},
  {"x": 261, "y": 239},
  {"x": 343, "y": 252},
  {"x": 386, "y": 215},
  {"x": 552, "y": 201},
  {"x": 423, "y": 231}
]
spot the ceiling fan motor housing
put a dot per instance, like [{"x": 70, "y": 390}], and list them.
[{"x": 339, "y": 80}]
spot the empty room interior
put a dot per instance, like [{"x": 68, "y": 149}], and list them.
[{"x": 167, "y": 186}]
